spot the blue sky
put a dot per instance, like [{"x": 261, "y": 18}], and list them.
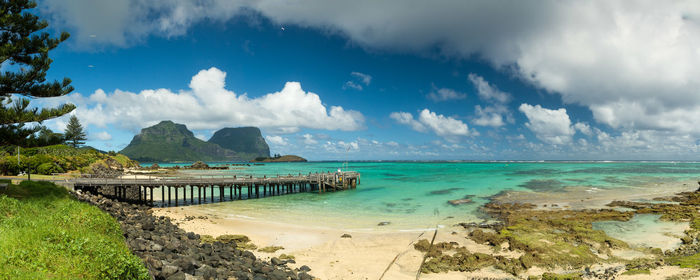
[{"x": 379, "y": 80}]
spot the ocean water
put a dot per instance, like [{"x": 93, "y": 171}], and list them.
[{"x": 414, "y": 195}]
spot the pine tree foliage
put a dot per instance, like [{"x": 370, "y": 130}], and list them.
[
  {"x": 74, "y": 134},
  {"x": 24, "y": 57}
]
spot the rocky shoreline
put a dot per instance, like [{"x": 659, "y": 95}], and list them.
[{"x": 171, "y": 253}]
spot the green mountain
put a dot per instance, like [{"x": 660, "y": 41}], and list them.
[
  {"x": 248, "y": 142},
  {"x": 168, "y": 141}
]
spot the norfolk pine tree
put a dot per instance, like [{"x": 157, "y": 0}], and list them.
[
  {"x": 74, "y": 134},
  {"x": 24, "y": 59}
]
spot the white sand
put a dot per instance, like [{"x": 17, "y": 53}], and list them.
[
  {"x": 369, "y": 253},
  {"x": 364, "y": 256}
]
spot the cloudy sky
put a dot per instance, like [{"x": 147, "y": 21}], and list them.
[{"x": 473, "y": 80}]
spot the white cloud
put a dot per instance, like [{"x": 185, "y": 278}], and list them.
[
  {"x": 550, "y": 126},
  {"x": 583, "y": 128},
  {"x": 209, "y": 105},
  {"x": 392, "y": 144},
  {"x": 309, "y": 139},
  {"x": 352, "y": 85},
  {"x": 446, "y": 127},
  {"x": 102, "y": 136},
  {"x": 276, "y": 140},
  {"x": 488, "y": 92},
  {"x": 490, "y": 115},
  {"x": 407, "y": 119},
  {"x": 341, "y": 146},
  {"x": 362, "y": 77},
  {"x": 444, "y": 94},
  {"x": 359, "y": 80}
]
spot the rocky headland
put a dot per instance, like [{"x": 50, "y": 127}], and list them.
[{"x": 170, "y": 252}]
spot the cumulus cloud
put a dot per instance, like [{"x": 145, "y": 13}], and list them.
[
  {"x": 276, "y": 140},
  {"x": 583, "y": 128},
  {"x": 445, "y": 94},
  {"x": 490, "y": 115},
  {"x": 407, "y": 119},
  {"x": 309, "y": 139},
  {"x": 486, "y": 91},
  {"x": 102, "y": 136},
  {"x": 209, "y": 105},
  {"x": 341, "y": 146},
  {"x": 550, "y": 126},
  {"x": 495, "y": 113},
  {"x": 446, "y": 127}
]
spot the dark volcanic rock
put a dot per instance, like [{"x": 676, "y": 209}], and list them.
[{"x": 171, "y": 253}]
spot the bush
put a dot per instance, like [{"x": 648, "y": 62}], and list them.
[{"x": 48, "y": 168}]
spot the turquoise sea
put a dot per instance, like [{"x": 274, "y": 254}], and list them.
[{"x": 414, "y": 195}]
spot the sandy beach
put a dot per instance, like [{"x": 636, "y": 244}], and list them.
[
  {"x": 370, "y": 253},
  {"x": 364, "y": 256}
]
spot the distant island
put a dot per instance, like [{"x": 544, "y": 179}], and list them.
[
  {"x": 278, "y": 158},
  {"x": 168, "y": 142}
]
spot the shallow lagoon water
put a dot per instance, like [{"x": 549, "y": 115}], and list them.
[
  {"x": 645, "y": 230},
  {"x": 414, "y": 195}
]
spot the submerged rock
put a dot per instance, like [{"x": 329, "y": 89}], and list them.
[
  {"x": 456, "y": 202},
  {"x": 383, "y": 223}
]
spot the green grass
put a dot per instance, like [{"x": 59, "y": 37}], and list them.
[{"x": 46, "y": 234}]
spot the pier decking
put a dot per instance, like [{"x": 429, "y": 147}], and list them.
[{"x": 217, "y": 188}]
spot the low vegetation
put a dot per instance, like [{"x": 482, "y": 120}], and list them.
[
  {"x": 57, "y": 159},
  {"x": 46, "y": 234},
  {"x": 565, "y": 239}
]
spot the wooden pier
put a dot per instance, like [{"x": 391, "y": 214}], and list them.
[{"x": 205, "y": 189}]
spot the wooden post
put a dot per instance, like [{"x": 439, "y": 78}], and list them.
[
  {"x": 204, "y": 193},
  {"x": 151, "y": 195},
  {"x": 162, "y": 195},
  {"x": 168, "y": 195},
  {"x": 257, "y": 191},
  {"x": 176, "y": 195},
  {"x": 212, "y": 193},
  {"x": 221, "y": 193},
  {"x": 240, "y": 190},
  {"x": 191, "y": 194},
  {"x": 230, "y": 191},
  {"x": 199, "y": 194}
]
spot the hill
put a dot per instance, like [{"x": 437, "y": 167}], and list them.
[
  {"x": 248, "y": 142},
  {"x": 168, "y": 141},
  {"x": 285, "y": 158}
]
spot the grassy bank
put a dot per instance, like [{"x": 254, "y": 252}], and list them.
[{"x": 46, "y": 234}]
